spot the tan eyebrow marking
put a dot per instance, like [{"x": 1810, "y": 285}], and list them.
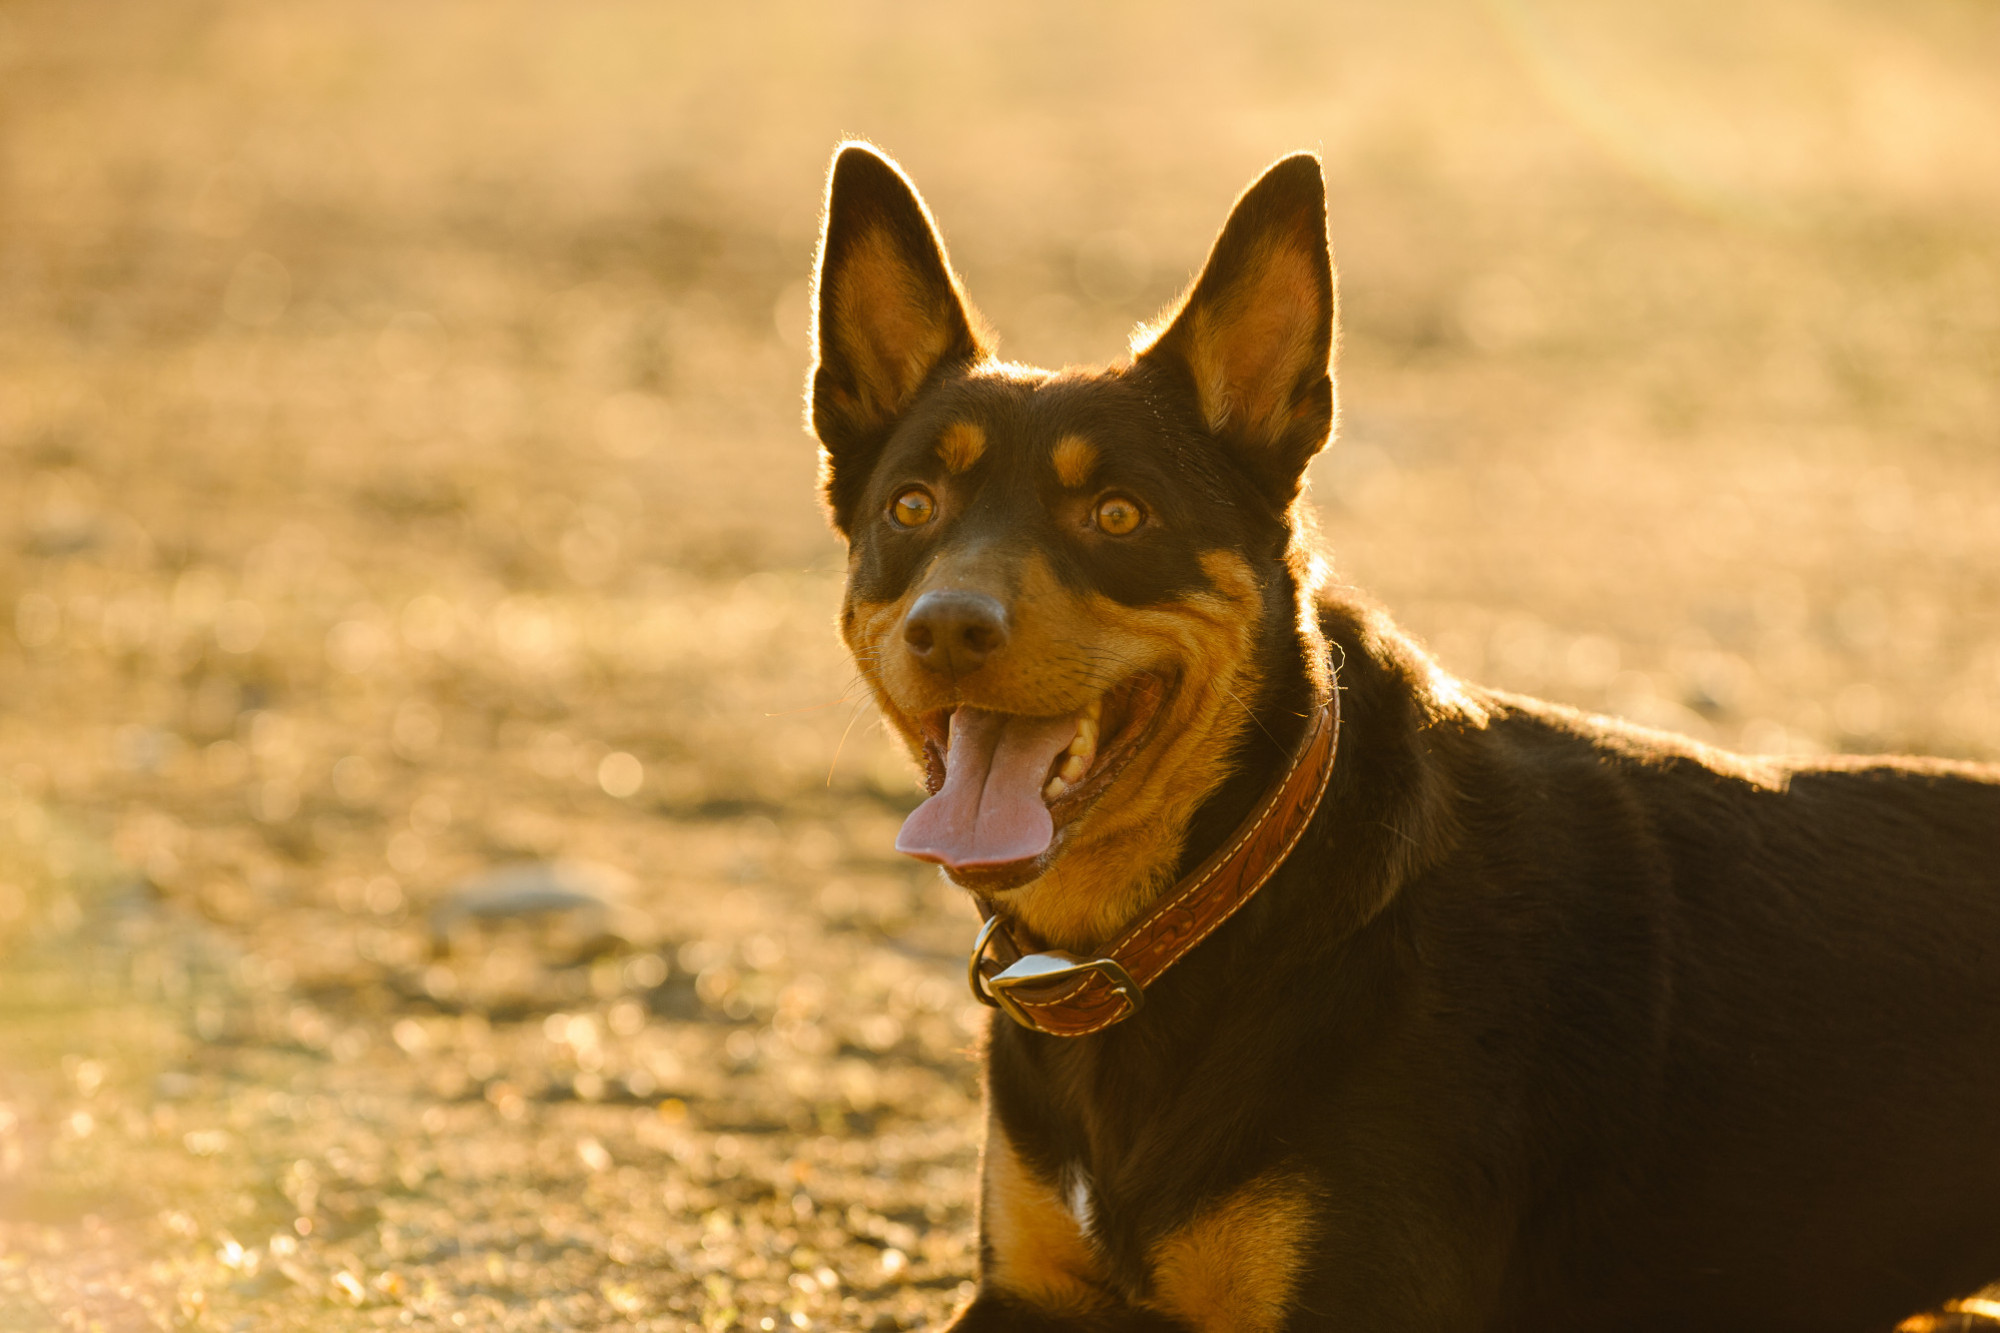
[
  {"x": 961, "y": 445},
  {"x": 1075, "y": 459}
]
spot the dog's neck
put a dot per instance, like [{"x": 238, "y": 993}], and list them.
[
  {"x": 1277, "y": 720},
  {"x": 1098, "y": 888},
  {"x": 1059, "y": 995}
]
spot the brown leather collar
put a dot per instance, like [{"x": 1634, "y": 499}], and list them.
[{"x": 1066, "y": 996}]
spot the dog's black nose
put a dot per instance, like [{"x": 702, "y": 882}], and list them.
[{"x": 955, "y": 631}]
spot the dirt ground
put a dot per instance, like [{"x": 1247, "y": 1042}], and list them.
[{"x": 445, "y": 872}]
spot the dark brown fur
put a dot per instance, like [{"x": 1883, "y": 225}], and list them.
[{"x": 1549, "y": 1022}]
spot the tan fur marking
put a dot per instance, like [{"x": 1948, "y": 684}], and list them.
[
  {"x": 868, "y": 629},
  {"x": 1234, "y": 1268},
  {"x": 1039, "y": 1253},
  {"x": 961, "y": 446},
  {"x": 1123, "y": 851},
  {"x": 1122, "y": 854},
  {"x": 891, "y": 335},
  {"x": 1075, "y": 458}
]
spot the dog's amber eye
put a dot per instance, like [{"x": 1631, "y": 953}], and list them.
[
  {"x": 913, "y": 508},
  {"x": 1116, "y": 516}
]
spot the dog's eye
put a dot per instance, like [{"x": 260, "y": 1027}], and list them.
[
  {"x": 913, "y": 508},
  {"x": 1117, "y": 516}
]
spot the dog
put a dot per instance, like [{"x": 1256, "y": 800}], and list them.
[{"x": 1331, "y": 991}]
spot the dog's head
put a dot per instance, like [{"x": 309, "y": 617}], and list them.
[{"x": 1069, "y": 590}]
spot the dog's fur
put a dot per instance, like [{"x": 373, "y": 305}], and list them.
[{"x": 1549, "y": 1022}]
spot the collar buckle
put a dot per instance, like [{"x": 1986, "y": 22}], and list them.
[{"x": 1037, "y": 970}]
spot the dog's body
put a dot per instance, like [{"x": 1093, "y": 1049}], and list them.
[{"x": 1546, "y": 1023}]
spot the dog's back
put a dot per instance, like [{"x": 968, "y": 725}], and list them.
[{"x": 1743, "y": 1012}]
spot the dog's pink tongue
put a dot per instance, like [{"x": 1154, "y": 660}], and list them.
[{"x": 990, "y": 810}]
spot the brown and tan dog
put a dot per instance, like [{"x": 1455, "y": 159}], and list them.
[{"x": 1334, "y": 992}]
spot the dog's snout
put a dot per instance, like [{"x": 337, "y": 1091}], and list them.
[{"x": 955, "y": 630}]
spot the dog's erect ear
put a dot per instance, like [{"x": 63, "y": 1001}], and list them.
[
  {"x": 1252, "y": 340},
  {"x": 887, "y": 310}
]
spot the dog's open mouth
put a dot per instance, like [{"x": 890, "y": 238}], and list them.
[{"x": 1004, "y": 786}]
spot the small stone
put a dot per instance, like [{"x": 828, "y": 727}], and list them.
[{"x": 577, "y": 907}]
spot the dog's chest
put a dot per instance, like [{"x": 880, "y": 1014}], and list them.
[
  {"x": 1231, "y": 1266},
  {"x": 1078, "y": 1198}
]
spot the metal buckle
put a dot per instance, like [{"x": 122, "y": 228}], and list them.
[
  {"x": 1036, "y": 969},
  {"x": 972, "y": 977}
]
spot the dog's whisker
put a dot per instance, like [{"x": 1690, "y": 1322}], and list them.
[
  {"x": 1251, "y": 713},
  {"x": 834, "y": 763}
]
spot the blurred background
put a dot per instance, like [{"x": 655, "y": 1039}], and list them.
[{"x": 445, "y": 864}]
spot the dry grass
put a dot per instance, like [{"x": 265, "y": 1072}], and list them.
[{"x": 399, "y": 418}]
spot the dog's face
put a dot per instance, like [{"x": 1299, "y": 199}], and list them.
[{"x": 1065, "y": 588}]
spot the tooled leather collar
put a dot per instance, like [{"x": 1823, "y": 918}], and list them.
[{"x": 1063, "y": 995}]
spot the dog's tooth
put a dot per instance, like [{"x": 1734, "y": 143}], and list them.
[
  {"x": 1093, "y": 710},
  {"x": 1072, "y": 769},
  {"x": 1055, "y": 788},
  {"x": 1085, "y": 743}
]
